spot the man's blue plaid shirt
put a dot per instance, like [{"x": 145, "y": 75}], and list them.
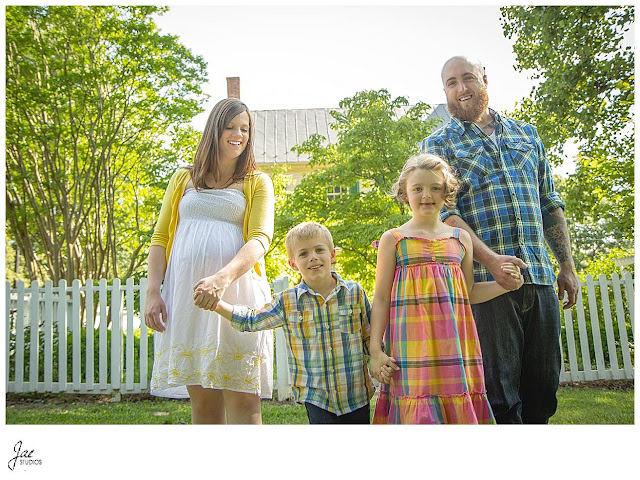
[{"x": 504, "y": 192}]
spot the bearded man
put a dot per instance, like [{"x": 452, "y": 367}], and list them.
[{"x": 508, "y": 204}]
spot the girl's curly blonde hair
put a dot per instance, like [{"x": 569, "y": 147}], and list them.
[{"x": 427, "y": 161}]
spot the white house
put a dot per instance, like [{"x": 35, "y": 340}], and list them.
[{"x": 277, "y": 131}]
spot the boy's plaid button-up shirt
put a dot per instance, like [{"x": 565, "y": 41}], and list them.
[
  {"x": 504, "y": 191},
  {"x": 327, "y": 342}
]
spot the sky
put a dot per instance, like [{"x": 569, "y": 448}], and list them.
[
  {"x": 290, "y": 56},
  {"x": 314, "y": 56}
]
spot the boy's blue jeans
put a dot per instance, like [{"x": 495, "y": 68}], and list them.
[
  {"x": 519, "y": 334},
  {"x": 317, "y": 415}
]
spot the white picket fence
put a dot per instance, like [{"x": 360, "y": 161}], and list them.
[
  {"x": 620, "y": 343},
  {"x": 35, "y": 313},
  {"x": 39, "y": 315}
]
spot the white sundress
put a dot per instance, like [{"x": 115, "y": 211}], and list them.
[{"x": 198, "y": 346}]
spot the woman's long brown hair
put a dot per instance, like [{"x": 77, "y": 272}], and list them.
[{"x": 206, "y": 157}]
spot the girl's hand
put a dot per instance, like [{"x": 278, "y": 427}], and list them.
[
  {"x": 387, "y": 371},
  {"x": 383, "y": 366},
  {"x": 207, "y": 292},
  {"x": 155, "y": 312},
  {"x": 504, "y": 278},
  {"x": 514, "y": 272}
]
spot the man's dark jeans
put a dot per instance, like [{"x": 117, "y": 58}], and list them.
[
  {"x": 519, "y": 334},
  {"x": 317, "y": 415}
]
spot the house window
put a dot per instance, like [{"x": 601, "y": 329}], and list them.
[{"x": 334, "y": 193}]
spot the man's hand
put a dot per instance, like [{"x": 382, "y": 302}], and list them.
[
  {"x": 500, "y": 275},
  {"x": 567, "y": 282},
  {"x": 514, "y": 272}
]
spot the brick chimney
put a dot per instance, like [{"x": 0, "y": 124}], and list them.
[{"x": 233, "y": 87}]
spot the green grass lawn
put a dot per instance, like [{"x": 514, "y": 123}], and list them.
[
  {"x": 590, "y": 406},
  {"x": 132, "y": 409},
  {"x": 576, "y": 405}
]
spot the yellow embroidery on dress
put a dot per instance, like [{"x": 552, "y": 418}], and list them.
[
  {"x": 186, "y": 365},
  {"x": 204, "y": 351}
]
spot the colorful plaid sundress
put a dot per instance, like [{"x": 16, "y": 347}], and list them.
[{"x": 432, "y": 336}]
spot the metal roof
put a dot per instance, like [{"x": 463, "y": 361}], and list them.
[{"x": 276, "y": 131}]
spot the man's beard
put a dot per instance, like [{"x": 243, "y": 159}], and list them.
[{"x": 474, "y": 109}]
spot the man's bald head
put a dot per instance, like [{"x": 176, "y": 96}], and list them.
[{"x": 476, "y": 66}]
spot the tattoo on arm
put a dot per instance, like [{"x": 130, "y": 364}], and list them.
[{"x": 557, "y": 235}]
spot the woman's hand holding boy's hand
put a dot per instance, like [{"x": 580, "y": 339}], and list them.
[
  {"x": 204, "y": 300},
  {"x": 383, "y": 366},
  {"x": 515, "y": 274},
  {"x": 208, "y": 291}
]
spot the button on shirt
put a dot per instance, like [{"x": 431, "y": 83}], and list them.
[
  {"x": 327, "y": 341},
  {"x": 505, "y": 189}
]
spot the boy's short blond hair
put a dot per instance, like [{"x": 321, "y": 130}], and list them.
[{"x": 306, "y": 230}]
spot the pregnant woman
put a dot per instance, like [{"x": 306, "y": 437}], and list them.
[{"x": 215, "y": 225}]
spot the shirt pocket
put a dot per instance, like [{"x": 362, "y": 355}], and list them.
[
  {"x": 302, "y": 325},
  {"x": 472, "y": 165},
  {"x": 350, "y": 319},
  {"x": 352, "y": 343},
  {"x": 524, "y": 157}
]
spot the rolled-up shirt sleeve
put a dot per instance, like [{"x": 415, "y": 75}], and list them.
[
  {"x": 549, "y": 198},
  {"x": 444, "y": 214}
]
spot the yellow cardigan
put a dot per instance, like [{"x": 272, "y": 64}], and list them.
[{"x": 258, "y": 217}]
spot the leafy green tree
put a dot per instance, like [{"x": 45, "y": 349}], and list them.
[
  {"x": 93, "y": 97},
  {"x": 605, "y": 263},
  {"x": 592, "y": 237},
  {"x": 585, "y": 67},
  {"x": 13, "y": 270},
  {"x": 376, "y": 134},
  {"x": 276, "y": 258}
]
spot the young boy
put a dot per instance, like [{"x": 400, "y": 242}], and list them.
[{"x": 326, "y": 326}]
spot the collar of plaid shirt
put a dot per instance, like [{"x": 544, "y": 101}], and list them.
[
  {"x": 460, "y": 125},
  {"x": 304, "y": 288}
]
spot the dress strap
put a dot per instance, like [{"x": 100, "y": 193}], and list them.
[
  {"x": 456, "y": 235},
  {"x": 396, "y": 234}
]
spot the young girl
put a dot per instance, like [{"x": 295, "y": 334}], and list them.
[{"x": 431, "y": 367}]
